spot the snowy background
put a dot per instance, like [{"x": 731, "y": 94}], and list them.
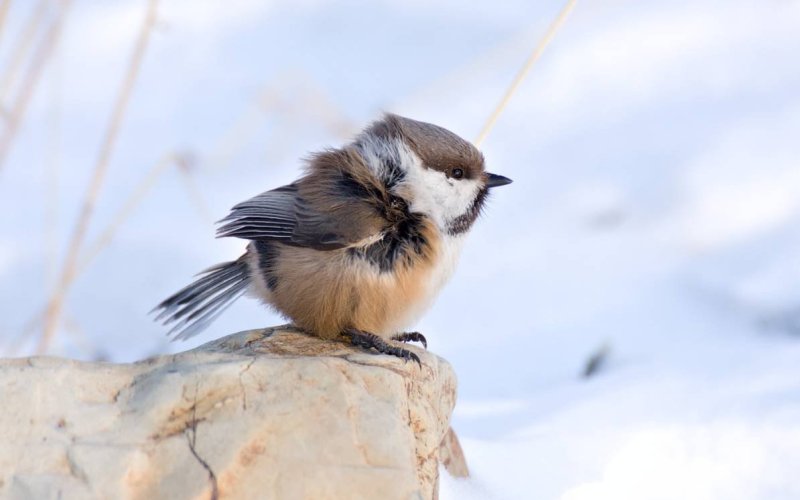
[{"x": 654, "y": 218}]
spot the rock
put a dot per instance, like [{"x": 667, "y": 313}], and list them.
[
  {"x": 260, "y": 414},
  {"x": 451, "y": 455}
]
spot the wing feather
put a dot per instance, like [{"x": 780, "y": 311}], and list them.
[{"x": 323, "y": 211}]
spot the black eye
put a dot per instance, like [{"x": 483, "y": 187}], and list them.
[{"x": 457, "y": 173}]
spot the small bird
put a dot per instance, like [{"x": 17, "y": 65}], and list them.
[{"x": 359, "y": 246}]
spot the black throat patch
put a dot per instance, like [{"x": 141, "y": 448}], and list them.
[
  {"x": 463, "y": 222},
  {"x": 402, "y": 242}
]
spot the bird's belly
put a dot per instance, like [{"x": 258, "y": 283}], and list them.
[
  {"x": 327, "y": 291},
  {"x": 432, "y": 279}
]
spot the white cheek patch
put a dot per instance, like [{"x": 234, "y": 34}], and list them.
[{"x": 432, "y": 192}]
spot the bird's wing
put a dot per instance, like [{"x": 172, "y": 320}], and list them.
[{"x": 321, "y": 213}]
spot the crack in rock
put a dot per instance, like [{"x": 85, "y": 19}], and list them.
[
  {"x": 271, "y": 416},
  {"x": 241, "y": 382},
  {"x": 76, "y": 470},
  {"x": 191, "y": 439}
]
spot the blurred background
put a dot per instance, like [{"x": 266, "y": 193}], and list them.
[{"x": 625, "y": 320}]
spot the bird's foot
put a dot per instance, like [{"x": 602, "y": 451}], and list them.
[
  {"x": 411, "y": 337},
  {"x": 370, "y": 340}
]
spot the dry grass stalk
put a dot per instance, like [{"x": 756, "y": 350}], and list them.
[
  {"x": 70, "y": 266},
  {"x": 101, "y": 242},
  {"x": 523, "y": 72},
  {"x": 186, "y": 168},
  {"x": 484, "y": 62},
  {"x": 21, "y": 48},
  {"x": 4, "y": 5},
  {"x": 79, "y": 336},
  {"x": 52, "y": 167},
  {"x": 321, "y": 107},
  {"x": 241, "y": 132},
  {"x": 40, "y": 57},
  {"x": 125, "y": 212},
  {"x": 313, "y": 101},
  {"x": 34, "y": 323}
]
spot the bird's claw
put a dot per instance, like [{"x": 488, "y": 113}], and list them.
[
  {"x": 411, "y": 337},
  {"x": 369, "y": 340}
]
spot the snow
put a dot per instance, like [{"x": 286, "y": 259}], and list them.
[{"x": 655, "y": 211}]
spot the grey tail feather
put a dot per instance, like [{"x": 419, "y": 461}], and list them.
[{"x": 194, "y": 307}]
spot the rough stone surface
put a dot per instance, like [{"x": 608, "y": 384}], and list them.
[
  {"x": 451, "y": 455},
  {"x": 261, "y": 414}
]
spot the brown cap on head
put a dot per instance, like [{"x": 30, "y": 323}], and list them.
[{"x": 438, "y": 148}]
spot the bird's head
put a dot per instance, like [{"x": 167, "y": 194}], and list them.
[{"x": 438, "y": 173}]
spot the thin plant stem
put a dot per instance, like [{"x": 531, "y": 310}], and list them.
[
  {"x": 40, "y": 57},
  {"x": 523, "y": 72},
  {"x": 52, "y": 167},
  {"x": 4, "y": 5},
  {"x": 241, "y": 131},
  {"x": 195, "y": 196},
  {"x": 20, "y": 50},
  {"x": 71, "y": 262},
  {"x": 107, "y": 235}
]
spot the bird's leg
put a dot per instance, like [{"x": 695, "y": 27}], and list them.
[
  {"x": 411, "y": 337},
  {"x": 370, "y": 340}
]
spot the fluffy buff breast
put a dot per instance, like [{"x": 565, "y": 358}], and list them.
[{"x": 325, "y": 292}]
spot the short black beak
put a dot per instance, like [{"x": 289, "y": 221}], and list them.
[{"x": 494, "y": 180}]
